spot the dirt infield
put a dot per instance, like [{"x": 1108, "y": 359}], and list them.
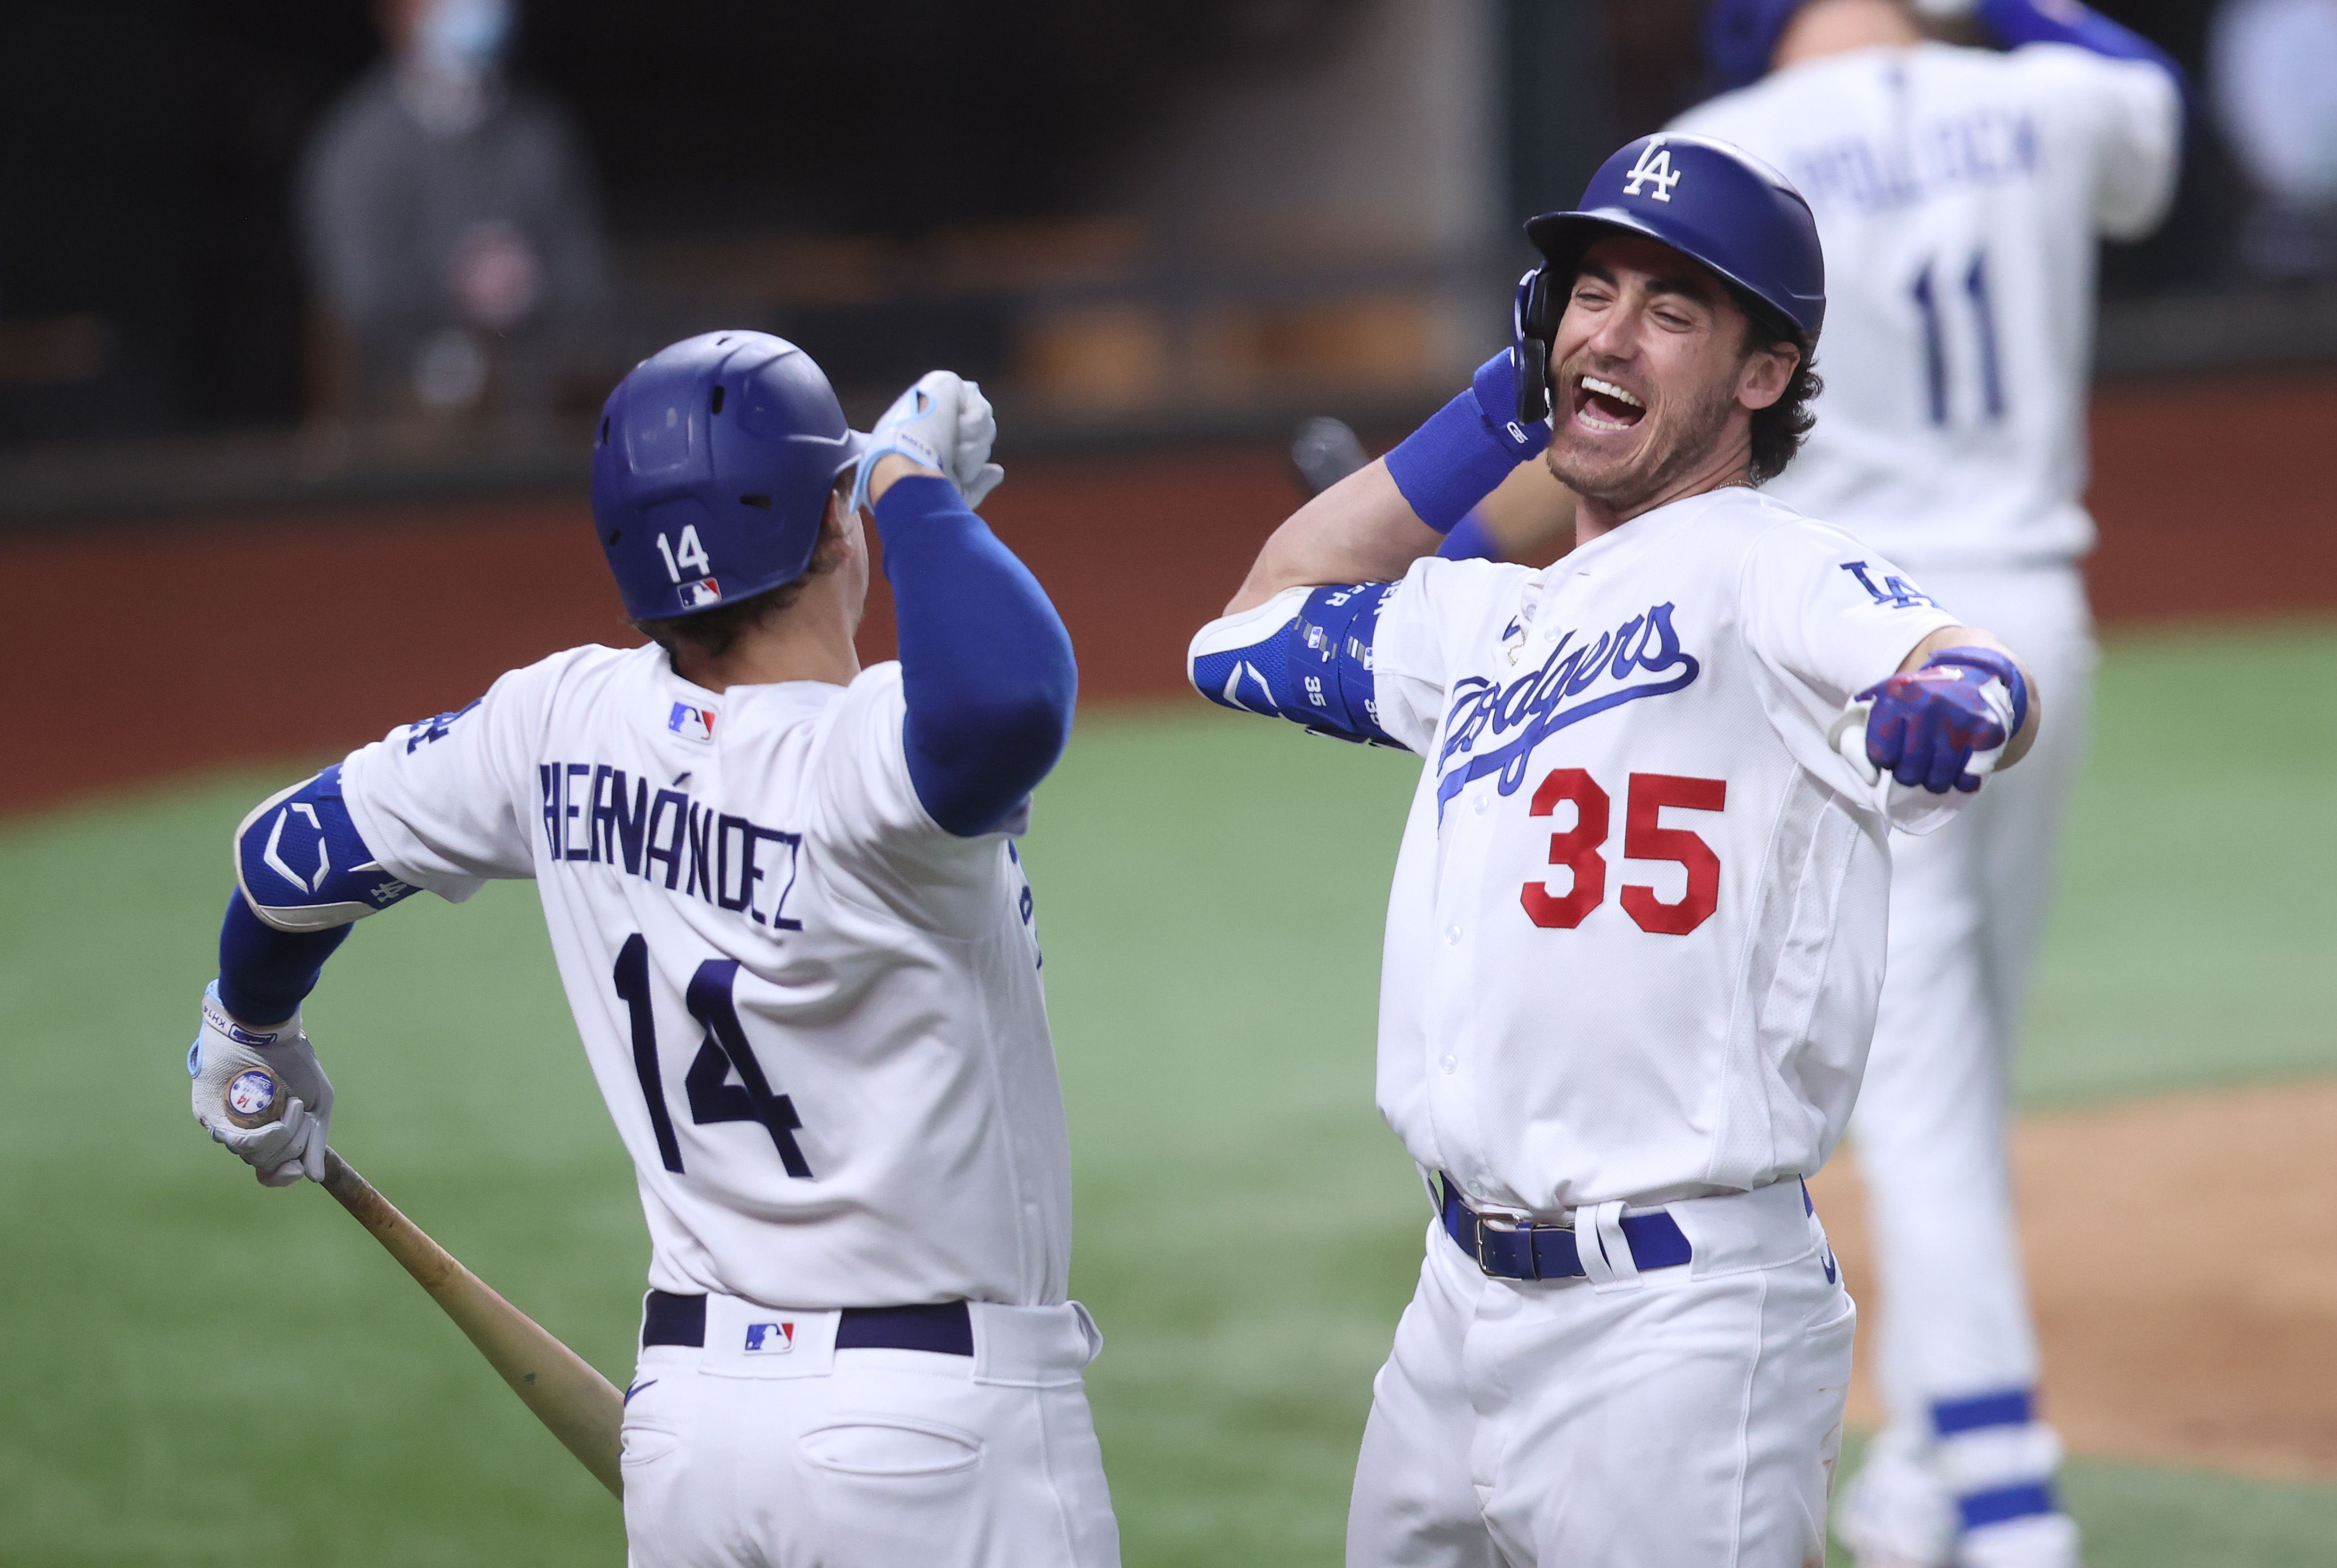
[
  {"x": 2182, "y": 1257},
  {"x": 146, "y": 650}
]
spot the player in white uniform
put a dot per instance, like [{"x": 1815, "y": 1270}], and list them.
[
  {"x": 1960, "y": 193},
  {"x": 798, "y": 940},
  {"x": 1636, "y": 933}
]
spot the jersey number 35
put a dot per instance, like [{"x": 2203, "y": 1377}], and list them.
[{"x": 1645, "y": 838}]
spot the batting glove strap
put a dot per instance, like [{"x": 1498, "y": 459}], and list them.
[
  {"x": 1466, "y": 448},
  {"x": 1989, "y": 661}
]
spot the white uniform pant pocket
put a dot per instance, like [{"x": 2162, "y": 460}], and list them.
[{"x": 892, "y": 1459}]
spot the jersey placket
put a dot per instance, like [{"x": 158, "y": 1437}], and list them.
[{"x": 1468, "y": 905}]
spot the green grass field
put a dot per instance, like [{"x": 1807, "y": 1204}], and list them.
[{"x": 203, "y": 1372}]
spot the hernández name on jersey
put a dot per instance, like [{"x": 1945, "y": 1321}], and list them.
[
  {"x": 595, "y": 814},
  {"x": 1566, "y": 690}
]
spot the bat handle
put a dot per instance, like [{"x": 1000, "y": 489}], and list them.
[
  {"x": 1846, "y": 735},
  {"x": 431, "y": 1265}
]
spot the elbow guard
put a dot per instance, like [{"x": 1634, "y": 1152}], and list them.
[
  {"x": 1304, "y": 655},
  {"x": 302, "y": 865}
]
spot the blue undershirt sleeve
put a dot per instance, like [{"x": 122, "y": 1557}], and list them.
[
  {"x": 2014, "y": 23},
  {"x": 1470, "y": 539},
  {"x": 264, "y": 974},
  {"x": 986, "y": 668}
]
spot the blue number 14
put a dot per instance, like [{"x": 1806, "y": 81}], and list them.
[
  {"x": 713, "y": 1098},
  {"x": 1935, "y": 345}
]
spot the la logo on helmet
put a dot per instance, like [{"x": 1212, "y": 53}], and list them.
[{"x": 1655, "y": 166}]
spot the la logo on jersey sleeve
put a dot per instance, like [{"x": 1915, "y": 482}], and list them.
[{"x": 1892, "y": 591}]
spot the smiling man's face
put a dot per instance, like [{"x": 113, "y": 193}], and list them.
[{"x": 1652, "y": 385}]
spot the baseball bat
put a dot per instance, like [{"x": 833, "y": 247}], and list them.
[{"x": 581, "y": 1408}]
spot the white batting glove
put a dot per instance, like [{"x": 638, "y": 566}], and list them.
[
  {"x": 942, "y": 422},
  {"x": 254, "y": 1074}
]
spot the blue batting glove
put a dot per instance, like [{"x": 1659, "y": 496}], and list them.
[{"x": 1927, "y": 723}]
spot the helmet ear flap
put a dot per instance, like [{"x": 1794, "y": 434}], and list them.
[{"x": 1534, "y": 325}]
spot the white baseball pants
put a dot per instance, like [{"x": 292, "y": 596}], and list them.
[
  {"x": 1963, "y": 1471},
  {"x": 812, "y": 1457},
  {"x": 1685, "y": 1417}
]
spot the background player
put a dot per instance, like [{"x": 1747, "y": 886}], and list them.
[
  {"x": 797, "y": 942},
  {"x": 1617, "y": 1050},
  {"x": 1959, "y": 192}
]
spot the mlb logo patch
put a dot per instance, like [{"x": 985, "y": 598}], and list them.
[
  {"x": 698, "y": 595},
  {"x": 770, "y": 1338},
  {"x": 692, "y": 722}
]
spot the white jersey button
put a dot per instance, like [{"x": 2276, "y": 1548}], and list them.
[
  {"x": 1452, "y": 936},
  {"x": 1450, "y": 1064}
]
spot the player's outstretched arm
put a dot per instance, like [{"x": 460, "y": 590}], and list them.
[
  {"x": 1960, "y": 707},
  {"x": 1985, "y": 655},
  {"x": 1375, "y": 522},
  {"x": 987, "y": 673}
]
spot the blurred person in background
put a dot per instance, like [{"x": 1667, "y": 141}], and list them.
[
  {"x": 2271, "y": 69},
  {"x": 453, "y": 233},
  {"x": 1962, "y": 193}
]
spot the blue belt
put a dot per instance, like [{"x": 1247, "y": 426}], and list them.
[
  {"x": 945, "y": 1327},
  {"x": 1507, "y": 1251}
]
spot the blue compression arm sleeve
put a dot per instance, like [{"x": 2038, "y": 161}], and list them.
[
  {"x": 986, "y": 667},
  {"x": 2014, "y": 23},
  {"x": 1470, "y": 540},
  {"x": 264, "y": 974}
]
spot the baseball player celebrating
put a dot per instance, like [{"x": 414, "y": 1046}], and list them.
[
  {"x": 1959, "y": 192},
  {"x": 798, "y": 940},
  {"x": 1636, "y": 933}
]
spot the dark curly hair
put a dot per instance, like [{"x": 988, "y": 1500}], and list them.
[{"x": 1779, "y": 430}]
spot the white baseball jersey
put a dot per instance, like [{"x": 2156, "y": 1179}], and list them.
[
  {"x": 816, "y": 1015},
  {"x": 1958, "y": 193},
  {"x": 1636, "y": 933}
]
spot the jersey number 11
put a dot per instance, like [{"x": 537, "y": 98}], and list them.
[{"x": 1935, "y": 339}]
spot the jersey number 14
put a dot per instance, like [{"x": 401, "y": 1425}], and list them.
[{"x": 712, "y": 1096}]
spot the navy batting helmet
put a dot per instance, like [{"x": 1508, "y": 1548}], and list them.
[
  {"x": 1740, "y": 37},
  {"x": 712, "y": 470},
  {"x": 1715, "y": 203}
]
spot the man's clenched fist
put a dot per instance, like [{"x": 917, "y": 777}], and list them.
[
  {"x": 257, "y": 1072},
  {"x": 942, "y": 422}
]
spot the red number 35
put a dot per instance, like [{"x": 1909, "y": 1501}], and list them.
[{"x": 1643, "y": 838}]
